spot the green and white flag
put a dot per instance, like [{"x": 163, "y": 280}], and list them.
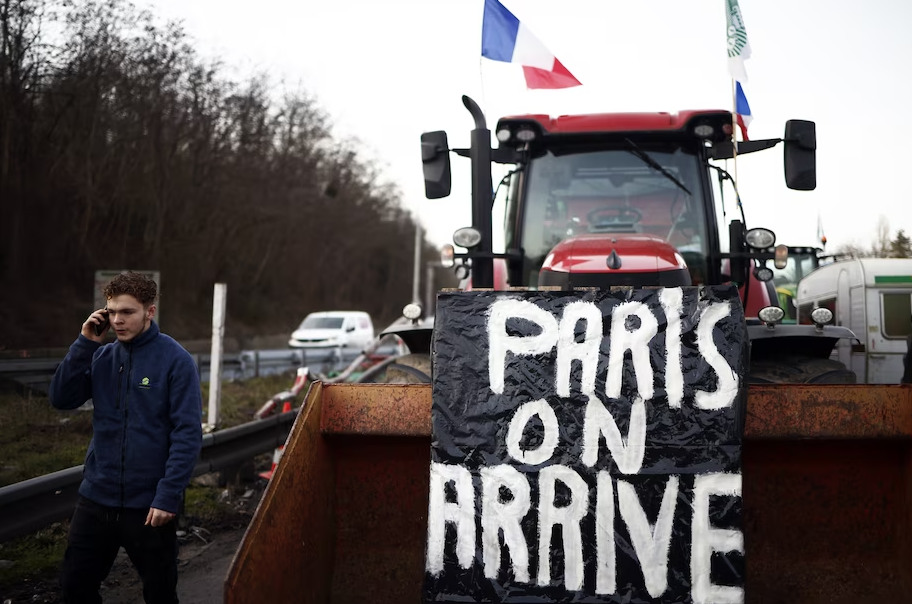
[{"x": 738, "y": 46}]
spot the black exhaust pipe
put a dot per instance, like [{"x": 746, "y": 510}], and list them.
[{"x": 482, "y": 197}]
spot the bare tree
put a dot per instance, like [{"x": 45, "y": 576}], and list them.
[
  {"x": 881, "y": 245},
  {"x": 853, "y": 250},
  {"x": 121, "y": 147}
]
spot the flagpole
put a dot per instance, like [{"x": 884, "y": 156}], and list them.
[
  {"x": 484, "y": 99},
  {"x": 734, "y": 130}
]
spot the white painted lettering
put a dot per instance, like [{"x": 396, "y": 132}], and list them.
[
  {"x": 627, "y": 453},
  {"x": 637, "y": 342},
  {"x": 545, "y": 450},
  {"x": 705, "y": 540},
  {"x": 727, "y": 390},
  {"x": 568, "y": 517},
  {"x": 499, "y": 343},
  {"x": 499, "y": 515},
  {"x": 587, "y": 351},
  {"x": 650, "y": 543},
  {"x": 606, "y": 568},
  {"x": 461, "y": 514},
  {"x": 672, "y": 302}
]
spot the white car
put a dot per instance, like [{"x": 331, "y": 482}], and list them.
[{"x": 332, "y": 329}]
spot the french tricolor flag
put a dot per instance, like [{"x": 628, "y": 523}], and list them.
[
  {"x": 742, "y": 109},
  {"x": 504, "y": 38}
]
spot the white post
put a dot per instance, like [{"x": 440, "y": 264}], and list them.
[
  {"x": 416, "y": 273},
  {"x": 215, "y": 362},
  {"x": 429, "y": 288}
]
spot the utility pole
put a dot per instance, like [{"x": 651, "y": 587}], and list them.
[{"x": 416, "y": 272}]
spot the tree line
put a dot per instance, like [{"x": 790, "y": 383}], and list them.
[
  {"x": 122, "y": 147},
  {"x": 884, "y": 244}
]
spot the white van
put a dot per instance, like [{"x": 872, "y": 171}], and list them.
[
  {"x": 334, "y": 329},
  {"x": 873, "y": 298}
]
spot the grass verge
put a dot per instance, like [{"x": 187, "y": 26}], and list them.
[{"x": 36, "y": 439}]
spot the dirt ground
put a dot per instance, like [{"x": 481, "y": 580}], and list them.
[
  {"x": 202, "y": 569},
  {"x": 204, "y": 559}
]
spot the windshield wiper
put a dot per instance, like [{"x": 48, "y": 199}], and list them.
[{"x": 649, "y": 161}]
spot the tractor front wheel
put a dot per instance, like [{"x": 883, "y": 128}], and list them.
[{"x": 800, "y": 370}]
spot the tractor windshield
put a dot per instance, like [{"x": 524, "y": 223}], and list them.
[
  {"x": 612, "y": 193},
  {"x": 785, "y": 280}
]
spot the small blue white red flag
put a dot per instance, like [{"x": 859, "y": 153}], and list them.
[
  {"x": 743, "y": 110},
  {"x": 504, "y": 38}
]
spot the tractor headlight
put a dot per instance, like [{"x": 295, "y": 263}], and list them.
[
  {"x": 412, "y": 311},
  {"x": 467, "y": 237},
  {"x": 821, "y": 316},
  {"x": 771, "y": 314},
  {"x": 764, "y": 273},
  {"x": 760, "y": 238}
]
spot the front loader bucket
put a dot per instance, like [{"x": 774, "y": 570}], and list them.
[
  {"x": 827, "y": 487},
  {"x": 344, "y": 517},
  {"x": 827, "y": 498}
]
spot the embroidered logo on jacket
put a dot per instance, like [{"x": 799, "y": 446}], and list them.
[{"x": 145, "y": 383}]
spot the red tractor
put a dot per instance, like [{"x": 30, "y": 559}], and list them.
[{"x": 630, "y": 199}]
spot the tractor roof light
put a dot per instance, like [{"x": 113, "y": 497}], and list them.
[
  {"x": 467, "y": 237},
  {"x": 504, "y": 134},
  {"x": 704, "y": 131},
  {"x": 821, "y": 316},
  {"x": 760, "y": 238},
  {"x": 771, "y": 315},
  {"x": 781, "y": 259},
  {"x": 447, "y": 255},
  {"x": 526, "y": 134}
]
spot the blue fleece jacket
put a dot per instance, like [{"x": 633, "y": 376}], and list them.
[{"x": 147, "y": 418}]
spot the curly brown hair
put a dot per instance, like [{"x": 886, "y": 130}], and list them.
[{"x": 139, "y": 286}]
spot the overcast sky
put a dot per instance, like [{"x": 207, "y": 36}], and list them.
[{"x": 387, "y": 71}]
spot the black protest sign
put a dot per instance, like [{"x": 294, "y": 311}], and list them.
[{"x": 586, "y": 446}]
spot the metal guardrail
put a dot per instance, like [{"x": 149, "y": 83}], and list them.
[
  {"x": 30, "y": 505},
  {"x": 37, "y": 373}
]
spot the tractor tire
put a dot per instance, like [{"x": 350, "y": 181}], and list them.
[
  {"x": 410, "y": 369},
  {"x": 800, "y": 370},
  {"x": 407, "y": 369}
]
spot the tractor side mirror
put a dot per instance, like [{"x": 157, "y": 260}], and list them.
[
  {"x": 800, "y": 155},
  {"x": 435, "y": 158}
]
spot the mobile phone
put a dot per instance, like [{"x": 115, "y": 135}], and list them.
[{"x": 99, "y": 328}]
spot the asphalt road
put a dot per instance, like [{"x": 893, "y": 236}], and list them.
[{"x": 202, "y": 571}]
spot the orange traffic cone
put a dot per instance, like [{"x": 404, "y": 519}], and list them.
[{"x": 277, "y": 454}]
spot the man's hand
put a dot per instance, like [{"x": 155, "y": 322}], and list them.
[
  {"x": 158, "y": 517},
  {"x": 97, "y": 318}
]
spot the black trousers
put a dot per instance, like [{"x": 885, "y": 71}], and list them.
[{"x": 96, "y": 535}]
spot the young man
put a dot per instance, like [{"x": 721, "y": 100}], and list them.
[{"x": 147, "y": 423}]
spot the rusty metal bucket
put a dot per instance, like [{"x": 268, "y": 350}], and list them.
[{"x": 827, "y": 495}]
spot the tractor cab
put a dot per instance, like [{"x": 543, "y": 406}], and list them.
[{"x": 613, "y": 199}]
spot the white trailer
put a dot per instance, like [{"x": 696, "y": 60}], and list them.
[{"x": 873, "y": 298}]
